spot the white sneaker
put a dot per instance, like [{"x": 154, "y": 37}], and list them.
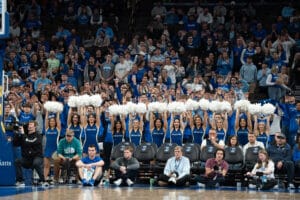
[
  {"x": 118, "y": 182},
  {"x": 291, "y": 186},
  {"x": 252, "y": 186},
  {"x": 61, "y": 181},
  {"x": 172, "y": 180},
  {"x": 45, "y": 184},
  {"x": 276, "y": 187},
  {"x": 20, "y": 184},
  {"x": 129, "y": 182},
  {"x": 201, "y": 185}
]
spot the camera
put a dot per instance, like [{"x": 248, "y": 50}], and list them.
[{"x": 16, "y": 127}]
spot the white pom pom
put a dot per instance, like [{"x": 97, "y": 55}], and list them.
[
  {"x": 130, "y": 107},
  {"x": 215, "y": 106},
  {"x": 114, "y": 109},
  {"x": 226, "y": 106},
  {"x": 163, "y": 107},
  {"x": 191, "y": 104},
  {"x": 95, "y": 100},
  {"x": 83, "y": 100},
  {"x": 204, "y": 104},
  {"x": 176, "y": 107},
  {"x": 152, "y": 106},
  {"x": 140, "y": 108},
  {"x": 72, "y": 101},
  {"x": 242, "y": 105},
  {"x": 122, "y": 109},
  {"x": 54, "y": 106},
  {"x": 268, "y": 109},
  {"x": 254, "y": 109}
]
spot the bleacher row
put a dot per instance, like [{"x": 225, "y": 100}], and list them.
[{"x": 153, "y": 159}]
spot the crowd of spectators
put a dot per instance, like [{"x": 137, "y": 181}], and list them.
[{"x": 221, "y": 52}]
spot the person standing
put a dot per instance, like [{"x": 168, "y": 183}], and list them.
[
  {"x": 126, "y": 168},
  {"x": 176, "y": 171}
]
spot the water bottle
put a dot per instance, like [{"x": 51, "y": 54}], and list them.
[
  {"x": 264, "y": 179},
  {"x": 106, "y": 183}
]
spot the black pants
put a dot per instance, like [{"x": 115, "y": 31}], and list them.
[
  {"x": 107, "y": 147},
  {"x": 131, "y": 174},
  {"x": 269, "y": 184},
  {"x": 36, "y": 163},
  {"x": 210, "y": 181},
  {"x": 288, "y": 168},
  {"x": 67, "y": 167},
  {"x": 179, "y": 182}
]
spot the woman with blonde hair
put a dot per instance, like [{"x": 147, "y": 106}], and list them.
[{"x": 262, "y": 173}]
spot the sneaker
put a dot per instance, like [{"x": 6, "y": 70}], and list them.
[
  {"x": 201, "y": 185},
  {"x": 91, "y": 182},
  {"x": 129, "y": 182},
  {"x": 61, "y": 181},
  {"x": 172, "y": 180},
  {"x": 252, "y": 186},
  {"x": 84, "y": 182},
  {"x": 118, "y": 182},
  {"x": 20, "y": 184},
  {"x": 45, "y": 184},
  {"x": 291, "y": 186},
  {"x": 276, "y": 187}
]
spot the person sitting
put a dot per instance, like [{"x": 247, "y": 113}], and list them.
[
  {"x": 281, "y": 153},
  {"x": 90, "y": 167},
  {"x": 69, "y": 151},
  {"x": 262, "y": 172},
  {"x": 177, "y": 170},
  {"x": 215, "y": 171},
  {"x": 126, "y": 168}
]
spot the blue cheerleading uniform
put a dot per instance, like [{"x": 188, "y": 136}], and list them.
[
  {"x": 221, "y": 135},
  {"x": 242, "y": 136},
  {"x": 52, "y": 136},
  {"x": 135, "y": 137},
  {"x": 77, "y": 130},
  {"x": 176, "y": 137},
  {"x": 90, "y": 136},
  {"x": 263, "y": 137},
  {"x": 118, "y": 137},
  {"x": 108, "y": 136},
  {"x": 198, "y": 134},
  {"x": 8, "y": 122},
  {"x": 158, "y": 136}
]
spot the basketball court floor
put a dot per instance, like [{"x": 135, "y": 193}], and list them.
[{"x": 74, "y": 192}]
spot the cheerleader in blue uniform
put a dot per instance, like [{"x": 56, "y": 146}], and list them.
[
  {"x": 158, "y": 128},
  {"x": 243, "y": 125},
  {"x": 52, "y": 133},
  {"x": 197, "y": 126},
  {"x": 262, "y": 130},
  {"x": 91, "y": 129},
  {"x": 176, "y": 129},
  {"x": 220, "y": 124},
  {"x": 136, "y": 128},
  {"x": 118, "y": 128},
  {"x": 74, "y": 123}
]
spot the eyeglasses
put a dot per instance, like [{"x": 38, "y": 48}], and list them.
[
  {"x": 279, "y": 137},
  {"x": 69, "y": 135}
]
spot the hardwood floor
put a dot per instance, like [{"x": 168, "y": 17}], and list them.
[{"x": 146, "y": 193}]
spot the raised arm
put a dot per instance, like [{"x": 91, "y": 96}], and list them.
[
  {"x": 46, "y": 120},
  {"x": 249, "y": 122},
  {"x": 237, "y": 120},
  {"x": 98, "y": 112},
  {"x": 141, "y": 127},
  {"x": 191, "y": 119},
  {"x": 151, "y": 121},
  {"x": 69, "y": 122},
  {"x": 83, "y": 118},
  {"x": 182, "y": 124},
  {"x": 58, "y": 123},
  {"x": 255, "y": 128}
]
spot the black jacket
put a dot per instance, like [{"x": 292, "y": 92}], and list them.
[{"x": 31, "y": 144}]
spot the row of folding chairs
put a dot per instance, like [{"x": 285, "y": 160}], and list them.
[{"x": 153, "y": 158}]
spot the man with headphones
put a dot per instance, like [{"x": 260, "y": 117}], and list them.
[{"x": 215, "y": 171}]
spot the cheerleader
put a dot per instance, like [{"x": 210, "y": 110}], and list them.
[
  {"x": 52, "y": 133},
  {"x": 243, "y": 126},
  {"x": 262, "y": 130},
  {"x": 91, "y": 129},
  {"x": 118, "y": 128},
  {"x": 74, "y": 123},
  {"x": 220, "y": 124},
  {"x": 158, "y": 128},
  {"x": 176, "y": 129},
  {"x": 197, "y": 127},
  {"x": 136, "y": 128}
]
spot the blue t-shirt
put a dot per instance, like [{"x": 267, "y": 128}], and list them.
[{"x": 87, "y": 160}]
